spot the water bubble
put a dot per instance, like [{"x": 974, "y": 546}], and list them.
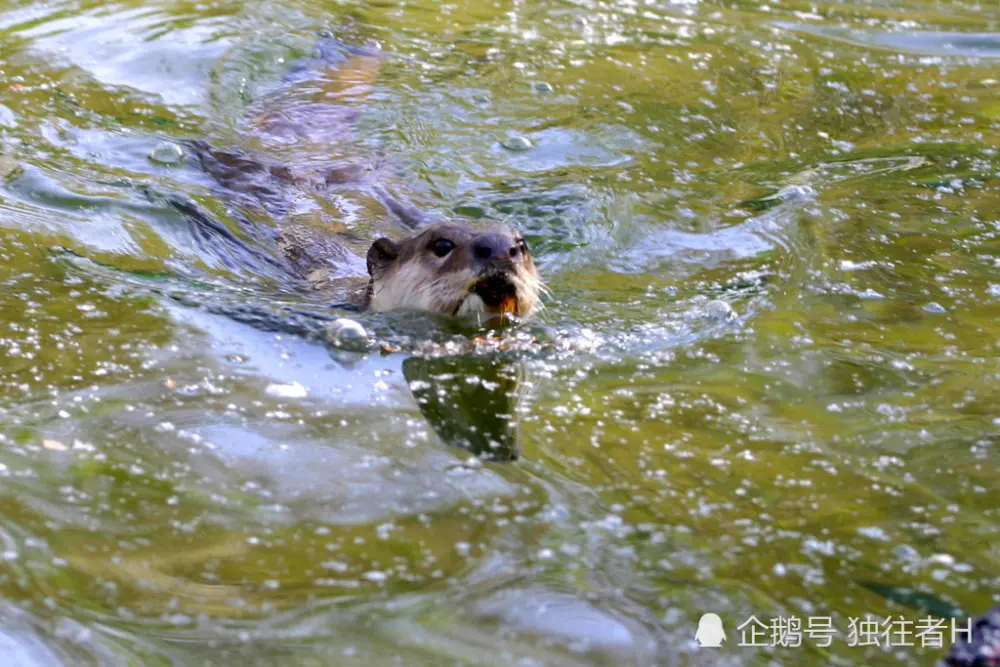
[
  {"x": 375, "y": 576},
  {"x": 73, "y": 631},
  {"x": 348, "y": 334},
  {"x": 335, "y": 565},
  {"x": 796, "y": 193},
  {"x": 718, "y": 311},
  {"x": 935, "y": 307},
  {"x": 293, "y": 390},
  {"x": 870, "y": 294},
  {"x": 849, "y": 265},
  {"x": 518, "y": 144},
  {"x": 542, "y": 87},
  {"x": 166, "y": 152},
  {"x": 874, "y": 532}
]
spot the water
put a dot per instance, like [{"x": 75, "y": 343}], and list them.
[{"x": 765, "y": 383}]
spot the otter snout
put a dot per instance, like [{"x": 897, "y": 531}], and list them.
[{"x": 494, "y": 246}]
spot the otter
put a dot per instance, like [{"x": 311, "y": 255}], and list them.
[
  {"x": 455, "y": 270},
  {"x": 447, "y": 267}
]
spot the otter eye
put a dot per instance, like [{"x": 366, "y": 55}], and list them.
[
  {"x": 522, "y": 245},
  {"x": 441, "y": 247}
]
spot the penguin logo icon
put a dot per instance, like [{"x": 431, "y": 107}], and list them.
[{"x": 710, "y": 633}]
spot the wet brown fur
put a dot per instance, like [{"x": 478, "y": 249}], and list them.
[{"x": 409, "y": 275}]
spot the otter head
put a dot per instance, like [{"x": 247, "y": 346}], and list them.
[{"x": 456, "y": 270}]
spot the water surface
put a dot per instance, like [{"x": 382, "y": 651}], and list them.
[{"x": 188, "y": 476}]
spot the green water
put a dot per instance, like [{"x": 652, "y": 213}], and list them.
[{"x": 827, "y": 169}]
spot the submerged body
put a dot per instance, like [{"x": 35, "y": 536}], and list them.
[{"x": 446, "y": 268}]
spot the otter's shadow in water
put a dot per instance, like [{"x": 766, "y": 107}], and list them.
[{"x": 471, "y": 402}]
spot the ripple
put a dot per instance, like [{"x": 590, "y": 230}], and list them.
[
  {"x": 928, "y": 43},
  {"x": 143, "y": 49}
]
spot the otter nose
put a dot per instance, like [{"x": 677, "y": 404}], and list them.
[{"x": 494, "y": 246}]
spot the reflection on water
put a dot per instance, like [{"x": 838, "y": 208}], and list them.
[
  {"x": 765, "y": 383},
  {"x": 470, "y": 402}
]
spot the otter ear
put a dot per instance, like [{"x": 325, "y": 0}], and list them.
[{"x": 382, "y": 253}]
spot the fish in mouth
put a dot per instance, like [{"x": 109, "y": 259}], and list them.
[
  {"x": 498, "y": 292},
  {"x": 493, "y": 295}
]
